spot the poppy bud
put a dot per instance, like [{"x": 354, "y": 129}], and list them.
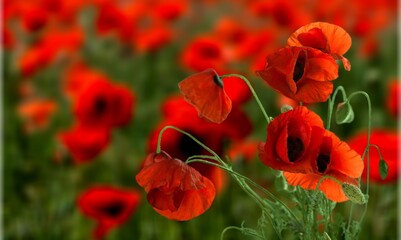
[
  {"x": 383, "y": 169},
  {"x": 354, "y": 193},
  {"x": 344, "y": 113}
]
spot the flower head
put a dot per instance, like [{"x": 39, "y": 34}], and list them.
[
  {"x": 85, "y": 143},
  {"x": 301, "y": 73},
  {"x": 326, "y": 37},
  {"x": 174, "y": 189},
  {"x": 109, "y": 206},
  {"x": 289, "y": 142},
  {"x": 205, "y": 91},
  {"x": 104, "y": 104},
  {"x": 331, "y": 158}
]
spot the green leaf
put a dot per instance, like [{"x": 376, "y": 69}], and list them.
[
  {"x": 344, "y": 113},
  {"x": 383, "y": 169}
]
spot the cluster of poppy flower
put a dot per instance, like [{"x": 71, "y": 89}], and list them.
[
  {"x": 144, "y": 25},
  {"x": 297, "y": 142},
  {"x": 232, "y": 43},
  {"x": 98, "y": 106}
]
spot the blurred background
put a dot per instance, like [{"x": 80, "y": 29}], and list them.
[{"x": 60, "y": 57}]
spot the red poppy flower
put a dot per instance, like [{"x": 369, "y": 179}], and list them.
[
  {"x": 153, "y": 38},
  {"x": 388, "y": 141},
  {"x": 33, "y": 17},
  {"x": 205, "y": 91},
  {"x": 289, "y": 142},
  {"x": 112, "y": 19},
  {"x": 37, "y": 112},
  {"x": 331, "y": 157},
  {"x": 104, "y": 104},
  {"x": 85, "y": 143},
  {"x": 174, "y": 189},
  {"x": 203, "y": 53},
  {"x": 326, "y": 37},
  {"x": 109, "y": 206},
  {"x": 285, "y": 14},
  {"x": 77, "y": 78},
  {"x": 393, "y": 97},
  {"x": 169, "y": 10},
  {"x": 301, "y": 73},
  {"x": 182, "y": 147},
  {"x": 34, "y": 59},
  {"x": 45, "y": 51}
]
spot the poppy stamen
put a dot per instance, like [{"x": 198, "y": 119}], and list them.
[
  {"x": 299, "y": 67},
  {"x": 295, "y": 147},
  {"x": 113, "y": 209},
  {"x": 322, "y": 161}
]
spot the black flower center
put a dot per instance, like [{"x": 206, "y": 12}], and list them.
[
  {"x": 299, "y": 67},
  {"x": 210, "y": 52},
  {"x": 114, "y": 209},
  {"x": 295, "y": 147},
  {"x": 189, "y": 147},
  {"x": 100, "y": 106},
  {"x": 322, "y": 161}
]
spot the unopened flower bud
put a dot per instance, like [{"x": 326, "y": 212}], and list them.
[{"x": 354, "y": 193}]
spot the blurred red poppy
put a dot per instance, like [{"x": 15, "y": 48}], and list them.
[
  {"x": 113, "y": 19},
  {"x": 83, "y": 143},
  {"x": 334, "y": 158},
  {"x": 174, "y": 189},
  {"x": 104, "y": 104},
  {"x": 109, "y": 206},
  {"x": 301, "y": 73},
  {"x": 388, "y": 141},
  {"x": 393, "y": 98},
  {"x": 205, "y": 91},
  {"x": 289, "y": 15},
  {"x": 45, "y": 51},
  {"x": 326, "y": 37},
  {"x": 152, "y": 38},
  {"x": 37, "y": 112},
  {"x": 169, "y": 10},
  {"x": 205, "y": 52},
  {"x": 289, "y": 145}
]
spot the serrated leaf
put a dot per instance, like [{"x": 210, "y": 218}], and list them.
[
  {"x": 383, "y": 169},
  {"x": 344, "y": 113}
]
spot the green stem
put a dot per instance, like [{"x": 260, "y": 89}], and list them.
[
  {"x": 366, "y": 152},
  {"x": 368, "y": 137},
  {"x": 158, "y": 149},
  {"x": 253, "y": 92},
  {"x": 225, "y": 168},
  {"x": 331, "y": 104}
]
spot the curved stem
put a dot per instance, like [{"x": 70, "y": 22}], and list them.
[
  {"x": 366, "y": 152},
  {"x": 158, "y": 149},
  {"x": 331, "y": 104},
  {"x": 368, "y": 137},
  {"x": 250, "y": 181},
  {"x": 253, "y": 93}
]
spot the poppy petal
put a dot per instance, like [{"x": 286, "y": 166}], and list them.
[
  {"x": 344, "y": 159},
  {"x": 316, "y": 34},
  {"x": 331, "y": 189},
  {"x": 205, "y": 92}
]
